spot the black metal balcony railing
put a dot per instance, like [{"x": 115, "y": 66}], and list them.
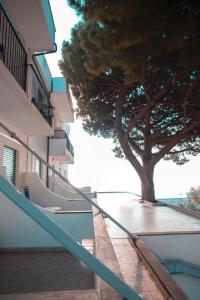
[
  {"x": 61, "y": 134},
  {"x": 41, "y": 97},
  {"x": 12, "y": 52}
]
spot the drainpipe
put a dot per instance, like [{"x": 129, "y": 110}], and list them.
[{"x": 33, "y": 58}]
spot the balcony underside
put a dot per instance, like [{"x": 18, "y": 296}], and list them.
[
  {"x": 63, "y": 107},
  {"x": 34, "y": 21},
  {"x": 16, "y": 111}
]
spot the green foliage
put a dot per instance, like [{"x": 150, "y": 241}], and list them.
[
  {"x": 194, "y": 194},
  {"x": 191, "y": 205},
  {"x": 123, "y": 35},
  {"x": 134, "y": 70}
]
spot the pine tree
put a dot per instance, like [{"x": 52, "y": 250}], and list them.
[{"x": 135, "y": 71}]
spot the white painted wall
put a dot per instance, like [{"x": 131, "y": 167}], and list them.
[
  {"x": 178, "y": 246},
  {"x": 25, "y": 160},
  {"x": 22, "y": 156},
  {"x": 57, "y": 147},
  {"x": 63, "y": 190},
  {"x": 190, "y": 285},
  {"x": 64, "y": 185},
  {"x": 39, "y": 145},
  {"x": 17, "y": 230}
]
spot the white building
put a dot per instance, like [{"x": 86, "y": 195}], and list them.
[
  {"x": 33, "y": 104},
  {"x": 38, "y": 109}
]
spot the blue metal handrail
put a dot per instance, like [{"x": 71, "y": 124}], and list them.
[
  {"x": 67, "y": 241},
  {"x": 13, "y": 135}
]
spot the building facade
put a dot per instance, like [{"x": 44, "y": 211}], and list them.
[{"x": 33, "y": 104}]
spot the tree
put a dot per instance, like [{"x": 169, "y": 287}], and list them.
[
  {"x": 138, "y": 84},
  {"x": 194, "y": 194}
]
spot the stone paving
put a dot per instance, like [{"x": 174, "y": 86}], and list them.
[
  {"x": 120, "y": 256},
  {"x": 136, "y": 273},
  {"x": 42, "y": 272}
]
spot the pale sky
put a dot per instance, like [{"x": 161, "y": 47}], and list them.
[{"x": 95, "y": 164}]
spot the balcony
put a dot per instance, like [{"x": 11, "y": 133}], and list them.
[
  {"x": 60, "y": 147},
  {"x": 12, "y": 52},
  {"x": 34, "y": 21},
  {"x": 16, "y": 108},
  {"x": 18, "y": 112},
  {"x": 41, "y": 97},
  {"x": 61, "y": 99}
]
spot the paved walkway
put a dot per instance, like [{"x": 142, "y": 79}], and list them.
[
  {"x": 124, "y": 260},
  {"x": 136, "y": 273}
]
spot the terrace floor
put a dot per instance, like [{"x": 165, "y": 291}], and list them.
[
  {"x": 140, "y": 217},
  {"x": 42, "y": 272}
]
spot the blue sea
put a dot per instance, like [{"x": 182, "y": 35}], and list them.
[{"x": 174, "y": 201}]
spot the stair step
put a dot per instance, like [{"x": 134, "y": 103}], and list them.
[{"x": 60, "y": 295}]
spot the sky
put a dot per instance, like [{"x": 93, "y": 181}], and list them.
[{"x": 94, "y": 163}]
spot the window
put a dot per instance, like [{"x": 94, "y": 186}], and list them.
[
  {"x": 38, "y": 167},
  {"x": 9, "y": 162}
]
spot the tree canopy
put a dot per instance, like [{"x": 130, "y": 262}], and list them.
[{"x": 135, "y": 72}]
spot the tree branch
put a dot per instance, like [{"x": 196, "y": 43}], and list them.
[
  {"x": 135, "y": 147},
  {"x": 189, "y": 92},
  {"x": 160, "y": 94},
  {"x": 158, "y": 132},
  {"x": 120, "y": 134},
  {"x": 143, "y": 83},
  {"x": 172, "y": 142},
  {"x": 184, "y": 150}
]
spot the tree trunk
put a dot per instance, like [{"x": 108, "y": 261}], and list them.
[{"x": 147, "y": 185}]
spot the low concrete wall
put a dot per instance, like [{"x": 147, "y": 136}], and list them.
[
  {"x": 45, "y": 198},
  {"x": 186, "y": 247},
  {"x": 63, "y": 190},
  {"x": 17, "y": 230},
  {"x": 175, "y": 292},
  {"x": 175, "y": 246},
  {"x": 105, "y": 253}
]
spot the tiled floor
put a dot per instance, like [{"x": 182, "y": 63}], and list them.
[
  {"x": 136, "y": 273},
  {"x": 64, "y": 295},
  {"x": 41, "y": 272},
  {"x": 141, "y": 218}
]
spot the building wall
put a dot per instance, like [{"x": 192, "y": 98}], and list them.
[
  {"x": 177, "y": 246},
  {"x": 39, "y": 145},
  {"x": 26, "y": 162},
  {"x": 21, "y": 159},
  {"x": 190, "y": 285}
]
